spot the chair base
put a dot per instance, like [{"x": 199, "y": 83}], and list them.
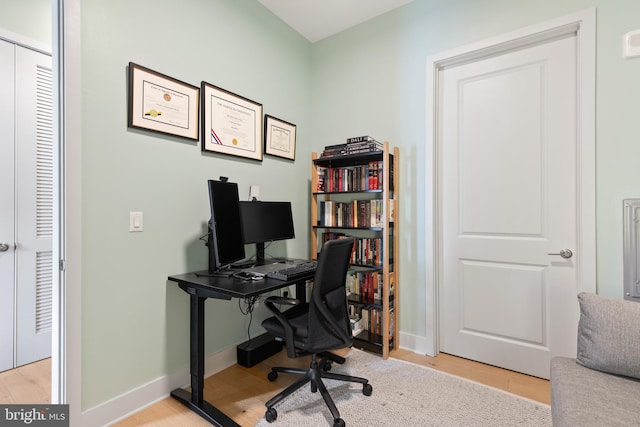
[{"x": 314, "y": 375}]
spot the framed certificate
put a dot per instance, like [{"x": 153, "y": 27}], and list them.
[
  {"x": 279, "y": 138},
  {"x": 231, "y": 124},
  {"x": 162, "y": 104}
]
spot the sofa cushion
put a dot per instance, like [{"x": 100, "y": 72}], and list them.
[
  {"x": 609, "y": 335},
  {"x": 588, "y": 398}
]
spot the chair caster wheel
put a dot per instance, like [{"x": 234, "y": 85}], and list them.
[
  {"x": 326, "y": 367},
  {"x": 367, "y": 389},
  {"x": 338, "y": 422},
  {"x": 272, "y": 376},
  {"x": 271, "y": 415}
]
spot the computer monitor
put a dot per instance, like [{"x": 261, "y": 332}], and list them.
[
  {"x": 225, "y": 229},
  {"x": 264, "y": 222}
]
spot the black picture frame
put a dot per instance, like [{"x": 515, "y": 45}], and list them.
[
  {"x": 279, "y": 138},
  {"x": 162, "y": 104},
  {"x": 231, "y": 124}
]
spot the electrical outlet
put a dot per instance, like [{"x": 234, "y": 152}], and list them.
[{"x": 254, "y": 192}]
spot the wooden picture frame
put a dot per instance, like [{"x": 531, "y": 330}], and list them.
[
  {"x": 279, "y": 138},
  {"x": 231, "y": 124},
  {"x": 162, "y": 104}
]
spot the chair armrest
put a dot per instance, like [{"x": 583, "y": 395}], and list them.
[
  {"x": 288, "y": 330},
  {"x": 282, "y": 300}
]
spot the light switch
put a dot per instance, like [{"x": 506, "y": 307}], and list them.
[
  {"x": 631, "y": 44},
  {"x": 135, "y": 221}
]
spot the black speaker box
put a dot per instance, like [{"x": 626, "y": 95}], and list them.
[{"x": 257, "y": 349}]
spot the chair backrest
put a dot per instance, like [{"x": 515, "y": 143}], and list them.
[{"x": 329, "y": 326}]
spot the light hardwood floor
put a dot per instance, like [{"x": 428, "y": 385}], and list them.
[
  {"x": 27, "y": 384},
  {"x": 241, "y": 392}
]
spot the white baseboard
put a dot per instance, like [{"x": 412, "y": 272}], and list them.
[
  {"x": 125, "y": 405},
  {"x": 415, "y": 343}
]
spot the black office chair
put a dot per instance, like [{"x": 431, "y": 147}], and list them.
[{"x": 316, "y": 328}]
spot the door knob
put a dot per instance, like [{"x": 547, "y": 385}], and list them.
[
  {"x": 565, "y": 253},
  {"x": 4, "y": 247}
]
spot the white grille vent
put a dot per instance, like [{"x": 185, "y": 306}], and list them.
[
  {"x": 44, "y": 153},
  {"x": 44, "y": 276},
  {"x": 631, "y": 249}
]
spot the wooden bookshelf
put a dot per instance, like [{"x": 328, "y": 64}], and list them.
[{"x": 356, "y": 195}]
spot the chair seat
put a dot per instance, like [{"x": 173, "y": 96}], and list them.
[{"x": 297, "y": 316}]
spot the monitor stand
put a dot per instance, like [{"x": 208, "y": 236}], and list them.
[
  {"x": 243, "y": 264},
  {"x": 252, "y": 263},
  {"x": 260, "y": 253},
  {"x": 222, "y": 272}
]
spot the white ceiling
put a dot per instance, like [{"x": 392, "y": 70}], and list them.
[{"x": 317, "y": 19}]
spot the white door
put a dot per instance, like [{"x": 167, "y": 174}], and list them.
[
  {"x": 509, "y": 201},
  {"x": 28, "y": 202}
]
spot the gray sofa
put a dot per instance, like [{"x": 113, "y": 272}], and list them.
[{"x": 601, "y": 386}]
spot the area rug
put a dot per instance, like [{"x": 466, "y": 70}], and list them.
[{"x": 406, "y": 394}]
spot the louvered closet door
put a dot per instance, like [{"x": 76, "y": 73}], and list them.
[{"x": 34, "y": 205}]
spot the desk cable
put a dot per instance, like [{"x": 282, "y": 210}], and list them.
[{"x": 250, "y": 303}]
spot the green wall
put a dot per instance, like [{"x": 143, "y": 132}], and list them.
[
  {"x": 29, "y": 18},
  {"x": 372, "y": 80},
  {"x": 134, "y": 323}
]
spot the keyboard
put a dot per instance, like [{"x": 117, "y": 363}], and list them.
[{"x": 294, "y": 272}]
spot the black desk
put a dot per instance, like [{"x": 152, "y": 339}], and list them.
[{"x": 199, "y": 286}]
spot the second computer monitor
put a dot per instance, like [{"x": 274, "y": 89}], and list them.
[{"x": 264, "y": 222}]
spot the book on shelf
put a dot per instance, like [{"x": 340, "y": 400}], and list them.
[
  {"x": 354, "y": 145},
  {"x": 367, "y": 252},
  {"x": 354, "y": 214},
  {"x": 359, "y": 139},
  {"x": 365, "y": 286},
  {"x": 365, "y": 177},
  {"x": 334, "y": 150},
  {"x": 321, "y": 172},
  {"x": 370, "y": 320},
  {"x": 356, "y": 325}
]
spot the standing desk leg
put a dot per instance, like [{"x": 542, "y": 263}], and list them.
[
  {"x": 196, "y": 340},
  {"x": 195, "y": 400},
  {"x": 301, "y": 291}
]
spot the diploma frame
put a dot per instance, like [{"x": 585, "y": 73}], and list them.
[
  {"x": 160, "y": 103},
  {"x": 231, "y": 124},
  {"x": 279, "y": 138}
]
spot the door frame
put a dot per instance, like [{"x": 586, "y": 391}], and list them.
[
  {"x": 583, "y": 24},
  {"x": 66, "y": 384}
]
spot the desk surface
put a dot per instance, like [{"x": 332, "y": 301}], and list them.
[{"x": 230, "y": 287}]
